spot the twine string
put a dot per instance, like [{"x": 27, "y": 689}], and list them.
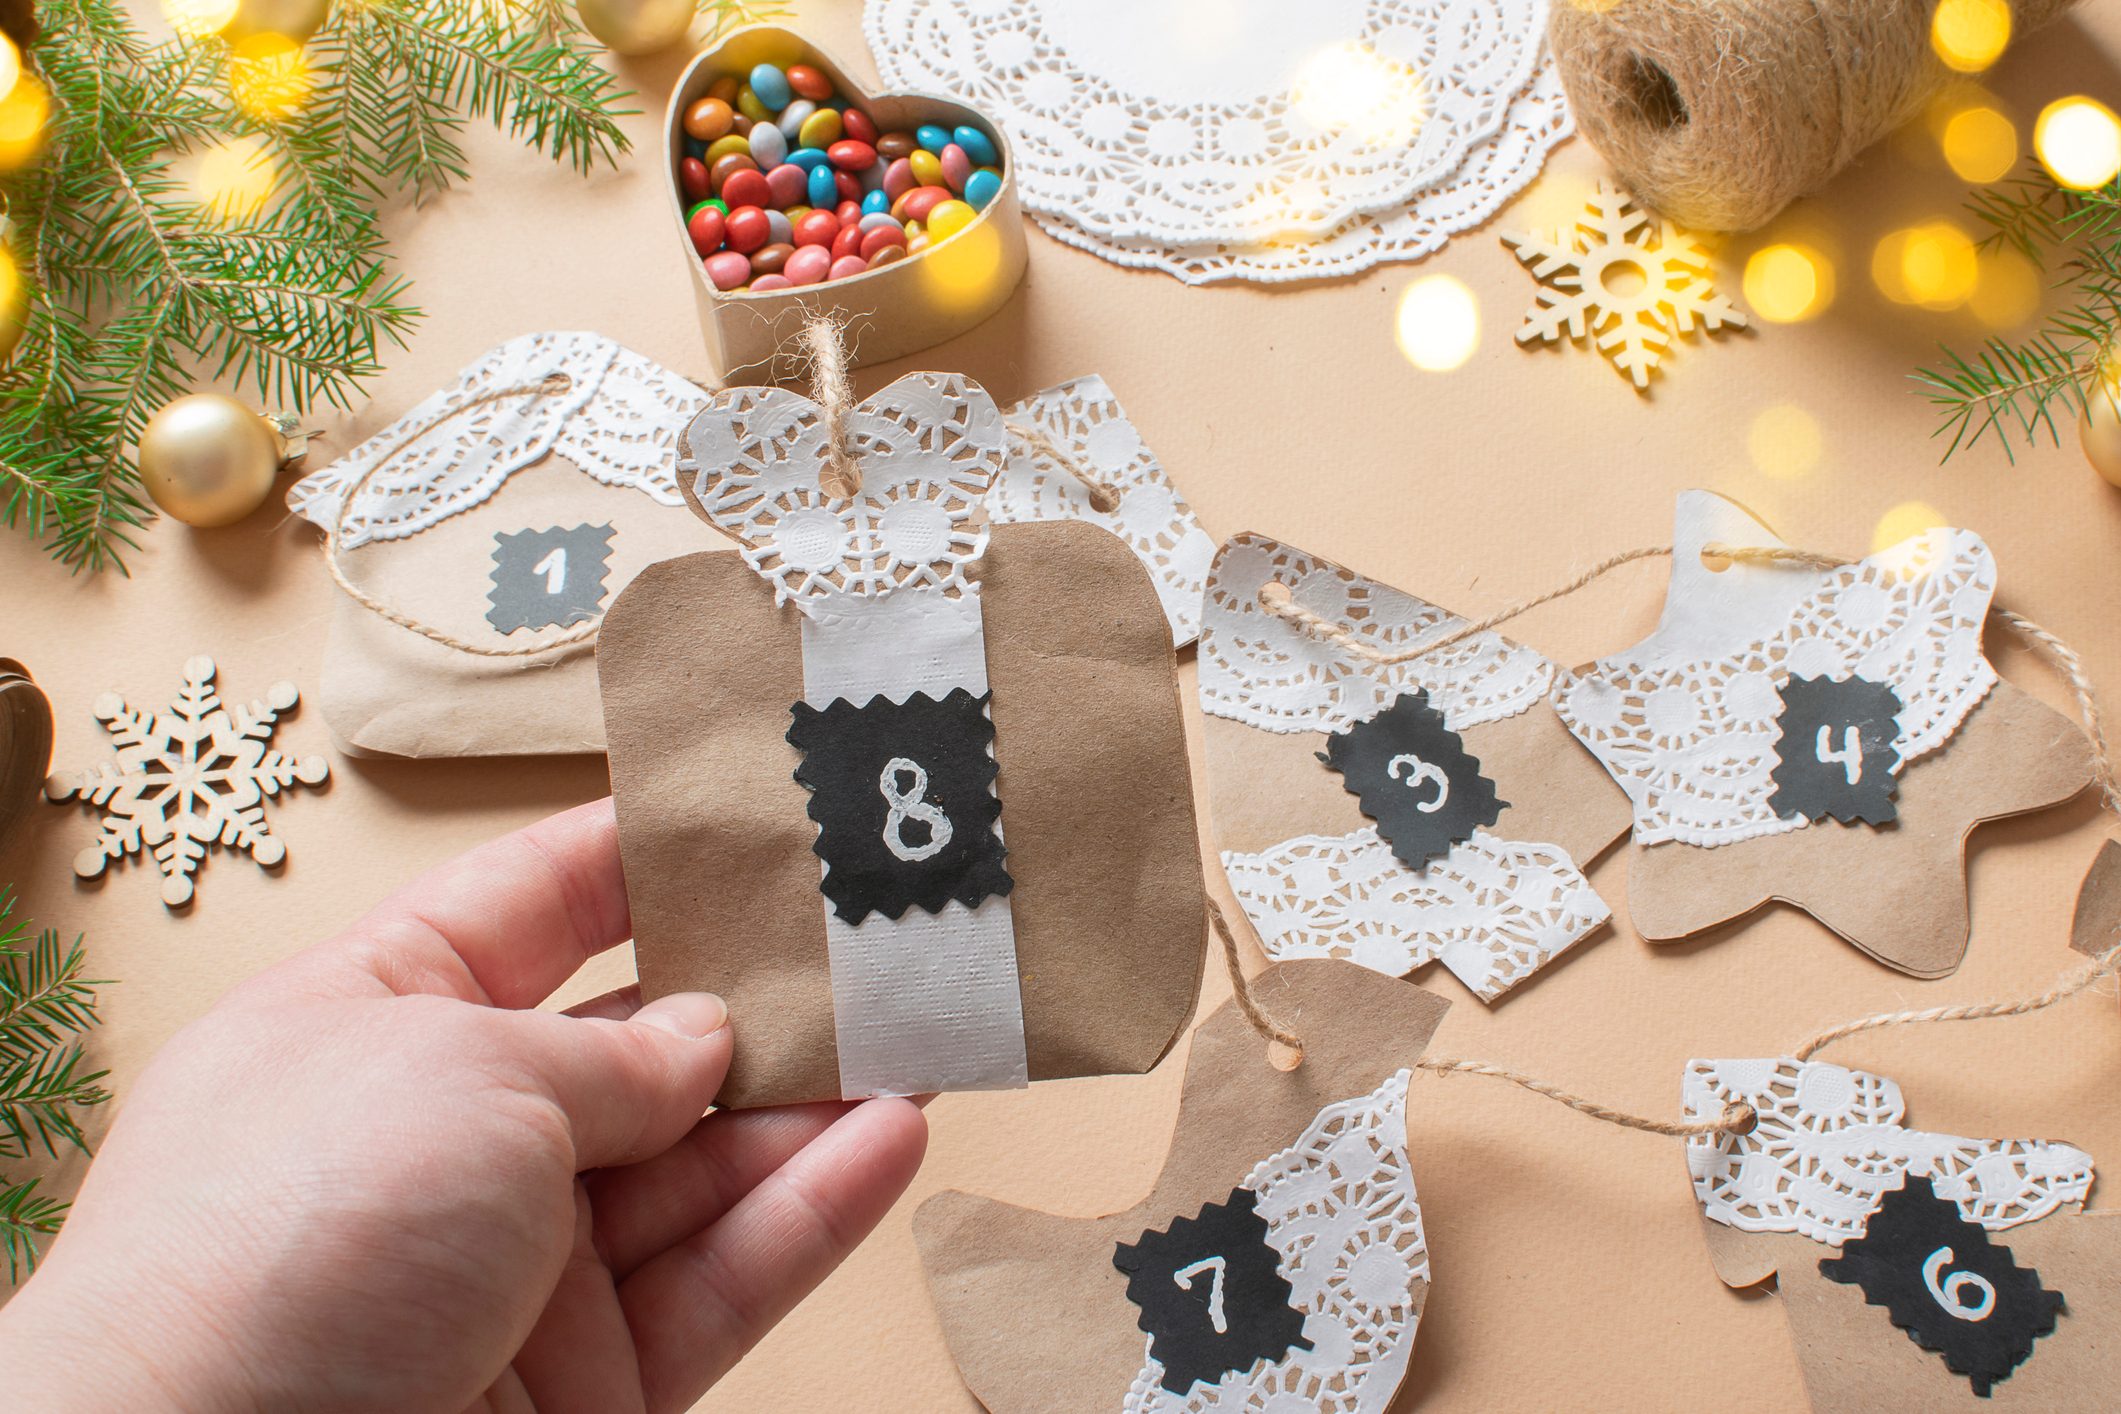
[
  {"x": 1737, "y": 1118},
  {"x": 334, "y": 536},
  {"x": 1104, "y": 496},
  {"x": 833, "y": 391},
  {"x": 1263, "y": 1021}
]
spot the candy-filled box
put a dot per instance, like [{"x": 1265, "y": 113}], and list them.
[{"x": 794, "y": 192}]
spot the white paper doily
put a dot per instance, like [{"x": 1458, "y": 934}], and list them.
[
  {"x": 1189, "y": 123},
  {"x": 1494, "y": 171}
]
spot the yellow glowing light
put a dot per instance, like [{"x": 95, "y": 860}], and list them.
[
  {"x": 10, "y": 282},
  {"x": 10, "y": 66},
  {"x": 1934, "y": 266},
  {"x": 964, "y": 272},
  {"x": 1786, "y": 283},
  {"x": 2009, "y": 292},
  {"x": 1980, "y": 143},
  {"x": 2079, "y": 142},
  {"x": 1439, "y": 323},
  {"x": 198, "y": 19},
  {"x": 1784, "y": 442},
  {"x": 235, "y": 178},
  {"x": 268, "y": 77},
  {"x": 1352, "y": 87},
  {"x": 22, "y": 115},
  {"x": 1969, "y": 35},
  {"x": 1902, "y": 523}
]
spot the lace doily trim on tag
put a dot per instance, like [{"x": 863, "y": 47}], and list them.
[
  {"x": 1087, "y": 423},
  {"x": 1830, "y": 1143},
  {"x": 1341, "y": 1212},
  {"x": 1493, "y": 911},
  {"x": 1129, "y": 118},
  {"x": 1495, "y": 169},
  {"x": 1260, "y": 669},
  {"x": 927, "y": 447},
  {"x": 1693, "y": 744},
  {"x": 617, "y": 420}
]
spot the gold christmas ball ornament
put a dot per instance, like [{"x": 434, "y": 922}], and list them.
[
  {"x": 636, "y": 26},
  {"x": 208, "y": 460},
  {"x": 2099, "y": 430},
  {"x": 297, "y": 19}
]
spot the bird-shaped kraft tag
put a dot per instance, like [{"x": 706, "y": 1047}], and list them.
[{"x": 1280, "y": 1257}]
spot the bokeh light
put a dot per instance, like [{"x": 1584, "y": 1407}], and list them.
[
  {"x": 1904, "y": 522},
  {"x": 268, "y": 76},
  {"x": 1932, "y": 265},
  {"x": 1969, "y": 35},
  {"x": 1351, "y": 87},
  {"x": 22, "y": 117},
  {"x": 2010, "y": 290},
  {"x": 1981, "y": 144},
  {"x": 1784, "y": 442},
  {"x": 2079, "y": 142},
  {"x": 10, "y": 66},
  {"x": 1439, "y": 323},
  {"x": 236, "y": 177},
  {"x": 199, "y": 19},
  {"x": 1787, "y": 282}
]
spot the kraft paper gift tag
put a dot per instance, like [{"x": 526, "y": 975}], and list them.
[
  {"x": 910, "y": 792},
  {"x": 1918, "y": 1271},
  {"x": 1823, "y": 737},
  {"x": 516, "y": 502},
  {"x": 2097, "y": 924},
  {"x": 1279, "y": 1261},
  {"x": 1399, "y": 813}
]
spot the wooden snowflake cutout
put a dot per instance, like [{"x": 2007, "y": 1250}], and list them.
[
  {"x": 1624, "y": 277},
  {"x": 186, "y": 777}
]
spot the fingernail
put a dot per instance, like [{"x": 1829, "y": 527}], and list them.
[{"x": 693, "y": 1015}]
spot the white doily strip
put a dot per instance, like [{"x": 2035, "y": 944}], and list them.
[
  {"x": 928, "y": 447},
  {"x": 1495, "y": 170},
  {"x": 1492, "y": 911},
  {"x": 1086, "y": 422},
  {"x": 1686, "y": 719},
  {"x": 1830, "y": 1145},
  {"x": 617, "y": 420},
  {"x": 1182, "y": 123},
  {"x": 1340, "y": 1210},
  {"x": 1264, "y": 671}
]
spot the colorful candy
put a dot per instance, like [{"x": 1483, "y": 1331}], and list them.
[{"x": 786, "y": 185}]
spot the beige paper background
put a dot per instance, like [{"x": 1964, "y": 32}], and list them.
[{"x": 1570, "y": 1268}]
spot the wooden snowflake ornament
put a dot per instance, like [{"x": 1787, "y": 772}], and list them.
[
  {"x": 185, "y": 778},
  {"x": 1624, "y": 277}
]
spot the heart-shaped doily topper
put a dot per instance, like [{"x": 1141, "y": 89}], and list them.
[{"x": 866, "y": 500}]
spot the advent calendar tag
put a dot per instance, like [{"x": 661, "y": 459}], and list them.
[
  {"x": 1823, "y": 736},
  {"x": 910, "y": 791},
  {"x": 1279, "y": 1263},
  {"x": 1431, "y": 808},
  {"x": 1918, "y": 1271}
]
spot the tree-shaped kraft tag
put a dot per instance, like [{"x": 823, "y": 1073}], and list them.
[
  {"x": 908, "y": 789},
  {"x": 1383, "y": 803},
  {"x": 1279, "y": 1262},
  {"x": 1917, "y": 1271},
  {"x": 1823, "y": 735}
]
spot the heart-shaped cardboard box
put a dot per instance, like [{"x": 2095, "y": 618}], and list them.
[{"x": 891, "y": 311}]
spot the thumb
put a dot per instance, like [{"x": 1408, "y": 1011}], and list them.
[{"x": 631, "y": 1088}]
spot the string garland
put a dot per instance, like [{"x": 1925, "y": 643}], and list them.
[{"x": 1738, "y": 1118}]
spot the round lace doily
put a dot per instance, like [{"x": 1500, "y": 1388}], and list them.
[
  {"x": 1494, "y": 171},
  {"x": 1178, "y": 123}
]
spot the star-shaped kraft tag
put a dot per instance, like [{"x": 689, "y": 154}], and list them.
[
  {"x": 1432, "y": 808},
  {"x": 1695, "y": 723},
  {"x": 1222, "y": 1285}
]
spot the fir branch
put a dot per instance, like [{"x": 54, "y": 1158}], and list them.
[
  {"x": 2016, "y": 388},
  {"x": 45, "y": 1005}
]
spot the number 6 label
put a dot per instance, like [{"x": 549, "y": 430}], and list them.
[{"x": 548, "y": 578}]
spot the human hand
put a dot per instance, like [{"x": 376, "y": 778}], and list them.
[{"x": 371, "y": 1178}]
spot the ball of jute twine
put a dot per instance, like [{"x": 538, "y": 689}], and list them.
[{"x": 1718, "y": 113}]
